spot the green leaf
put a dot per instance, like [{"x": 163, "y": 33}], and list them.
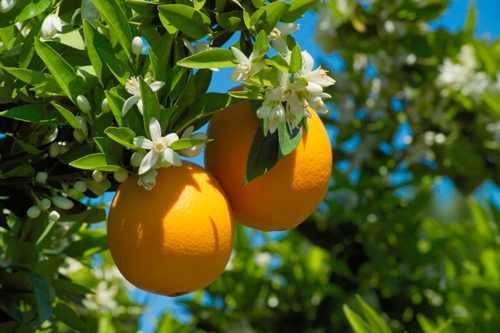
[
  {"x": 117, "y": 22},
  {"x": 190, "y": 21},
  {"x": 62, "y": 72},
  {"x": 162, "y": 49},
  {"x": 279, "y": 62},
  {"x": 267, "y": 17},
  {"x": 43, "y": 114},
  {"x": 120, "y": 70},
  {"x": 186, "y": 143},
  {"x": 296, "y": 9},
  {"x": 94, "y": 41},
  {"x": 20, "y": 172},
  {"x": 72, "y": 287},
  {"x": 150, "y": 104},
  {"x": 42, "y": 297},
  {"x": 374, "y": 320},
  {"x": 289, "y": 141},
  {"x": 94, "y": 242},
  {"x": 147, "y": 9},
  {"x": 116, "y": 104},
  {"x": 68, "y": 316},
  {"x": 357, "y": 323},
  {"x": 72, "y": 39},
  {"x": 89, "y": 12},
  {"x": 231, "y": 21},
  {"x": 68, "y": 115},
  {"x": 31, "y": 77},
  {"x": 216, "y": 58},
  {"x": 295, "y": 60},
  {"x": 24, "y": 10},
  {"x": 268, "y": 76},
  {"x": 97, "y": 161},
  {"x": 89, "y": 216},
  {"x": 25, "y": 146},
  {"x": 124, "y": 136},
  {"x": 263, "y": 155}
]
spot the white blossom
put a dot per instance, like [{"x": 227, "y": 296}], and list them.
[
  {"x": 51, "y": 25},
  {"x": 195, "y": 150},
  {"x": 277, "y": 42},
  {"x": 133, "y": 87},
  {"x": 148, "y": 179},
  {"x": 246, "y": 66},
  {"x": 6, "y": 5},
  {"x": 159, "y": 147}
]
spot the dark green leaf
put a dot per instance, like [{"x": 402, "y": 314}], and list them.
[
  {"x": 296, "y": 9},
  {"x": 147, "y": 9},
  {"x": 68, "y": 316},
  {"x": 267, "y": 17},
  {"x": 117, "y": 22},
  {"x": 216, "y": 58},
  {"x": 71, "y": 287},
  {"x": 94, "y": 42},
  {"x": 24, "y": 10},
  {"x": 190, "y": 21},
  {"x": 263, "y": 155},
  {"x": 62, "y": 72}
]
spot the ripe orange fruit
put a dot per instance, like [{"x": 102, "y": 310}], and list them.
[
  {"x": 287, "y": 194},
  {"x": 176, "y": 238}
]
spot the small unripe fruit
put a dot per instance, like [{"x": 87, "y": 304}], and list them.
[{"x": 54, "y": 149}]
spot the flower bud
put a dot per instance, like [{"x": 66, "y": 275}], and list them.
[
  {"x": 33, "y": 212},
  {"x": 54, "y": 216},
  {"x": 51, "y": 25},
  {"x": 105, "y": 106},
  {"x": 63, "y": 147},
  {"x": 137, "y": 45},
  {"x": 41, "y": 177},
  {"x": 98, "y": 176},
  {"x": 54, "y": 149},
  {"x": 63, "y": 203},
  {"x": 6, "y": 5},
  {"x": 263, "y": 112},
  {"x": 79, "y": 137},
  {"x": 45, "y": 203},
  {"x": 136, "y": 159},
  {"x": 83, "y": 103},
  {"x": 83, "y": 125},
  {"x": 80, "y": 186},
  {"x": 121, "y": 175}
]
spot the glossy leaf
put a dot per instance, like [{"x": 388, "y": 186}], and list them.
[
  {"x": 97, "y": 161},
  {"x": 216, "y": 58},
  {"x": 35, "y": 113},
  {"x": 62, "y": 72},
  {"x": 190, "y": 21}
]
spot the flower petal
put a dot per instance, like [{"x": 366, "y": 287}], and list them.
[
  {"x": 171, "y": 138},
  {"x": 240, "y": 56},
  {"x": 288, "y": 28},
  {"x": 154, "y": 128},
  {"x": 187, "y": 132},
  {"x": 148, "y": 162},
  {"x": 128, "y": 104},
  {"x": 157, "y": 85},
  {"x": 307, "y": 61},
  {"x": 143, "y": 142},
  {"x": 171, "y": 157},
  {"x": 139, "y": 106}
]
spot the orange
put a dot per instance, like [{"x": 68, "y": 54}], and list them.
[
  {"x": 287, "y": 194},
  {"x": 176, "y": 238}
]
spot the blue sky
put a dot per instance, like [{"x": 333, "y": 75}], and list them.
[{"x": 487, "y": 26}]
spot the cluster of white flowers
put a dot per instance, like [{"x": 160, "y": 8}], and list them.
[
  {"x": 295, "y": 93},
  {"x": 465, "y": 75}
]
